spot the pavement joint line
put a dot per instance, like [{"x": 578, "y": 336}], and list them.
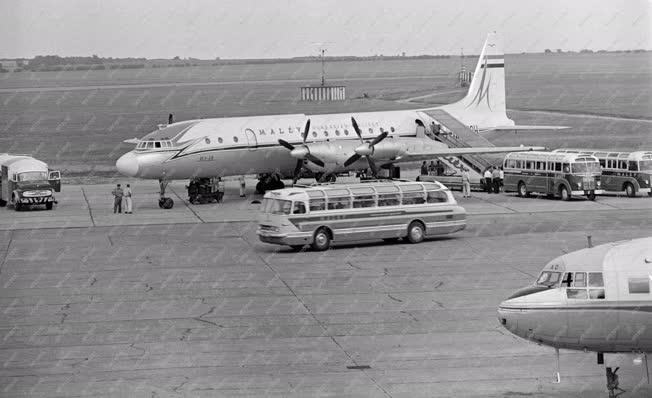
[
  {"x": 321, "y": 325},
  {"x": 90, "y": 211},
  {"x": 4, "y": 258},
  {"x": 187, "y": 206},
  {"x": 475, "y": 250},
  {"x": 495, "y": 204}
]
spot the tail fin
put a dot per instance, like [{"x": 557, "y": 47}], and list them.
[{"x": 484, "y": 103}]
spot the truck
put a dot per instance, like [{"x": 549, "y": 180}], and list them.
[{"x": 25, "y": 182}]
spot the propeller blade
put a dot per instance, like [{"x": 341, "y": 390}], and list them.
[
  {"x": 379, "y": 138},
  {"x": 352, "y": 160},
  {"x": 315, "y": 160},
  {"x": 286, "y": 144},
  {"x": 305, "y": 131},
  {"x": 356, "y": 128},
  {"x": 297, "y": 170},
  {"x": 372, "y": 166}
]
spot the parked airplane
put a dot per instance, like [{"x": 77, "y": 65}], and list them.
[
  {"x": 596, "y": 299},
  {"x": 324, "y": 144}
]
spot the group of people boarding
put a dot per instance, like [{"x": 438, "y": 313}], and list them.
[{"x": 493, "y": 179}]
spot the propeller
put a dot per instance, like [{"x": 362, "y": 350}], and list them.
[
  {"x": 301, "y": 153},
  {"x": 366, "y": 149}
]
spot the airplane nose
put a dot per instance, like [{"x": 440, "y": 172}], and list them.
[{"x": 127, "y": 164}]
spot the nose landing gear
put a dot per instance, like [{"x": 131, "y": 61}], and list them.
[{"x": 164, "y": 202}]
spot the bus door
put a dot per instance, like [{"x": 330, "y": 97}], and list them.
[
  {"x": 252, "y": 142},
  {"x": 54, "y": 178}
]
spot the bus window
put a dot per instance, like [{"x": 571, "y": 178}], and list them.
[
  {"x": 299, "y": 208},
  {"x": 437, "y": 197},
  {"x": 317, "y": 204},
  {"x": 557, "y": 166},
  {"x": 632, "y": 166},
  {"x": 566, "y": 168},
  {"x": 150, "y": 144},
  {"x": 622, "y": 164},
  {"x": 413, "y": 198},
  {"x": 390, "y": 199},
  {"x": 645, "y": 165},
  {"x": 277, "y": 206},
  {"x": 576, "y": 294},
  {"x": 529, "y": 165},
  {"x": 339, "y": 203},
  {"x": 157, "y": 144},
  {"x": 363, "y": 201},
  {"x": 602, "y": 162},
  {"x": 580, "y": 279}
]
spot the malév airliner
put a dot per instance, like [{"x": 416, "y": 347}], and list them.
[
  {"x": 324, "y": 144},
  {"x": 596, "y": 299}
]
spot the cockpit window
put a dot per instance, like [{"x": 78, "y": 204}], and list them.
[
  {"x": 577, "y": 283},
  {"x": 580, "y": 279},
  {"x": 595, "y": 279},
  {"x": 548, "y": 278}
]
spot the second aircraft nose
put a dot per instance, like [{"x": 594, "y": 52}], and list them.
[{"x": 128, "y": 165}]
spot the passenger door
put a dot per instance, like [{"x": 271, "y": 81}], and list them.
[{"x": 54, "y": 178}]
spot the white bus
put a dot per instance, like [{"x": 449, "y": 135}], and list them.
[
  {"x": 628, "y": 172},
  {"x": 388, "y": 210},
  {"x": 551, "y": 173}
]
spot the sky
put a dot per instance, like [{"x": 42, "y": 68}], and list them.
[{"x": 289, "y": 28}]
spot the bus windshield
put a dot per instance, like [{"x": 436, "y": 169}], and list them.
[
  {"x": 548, "y": 278},
  {"x": 589, "y": 167},
  {"x": 277, "y": 206},
  {"x": 645, "y": 165},
  {"x": 33, "y": 176}
]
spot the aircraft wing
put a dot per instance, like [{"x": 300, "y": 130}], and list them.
[
  {"x": 417, "y": 156},
  {"x": 523, "y": 127}
]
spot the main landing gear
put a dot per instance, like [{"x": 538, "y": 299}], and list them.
[{"x": 164, "y": 202}]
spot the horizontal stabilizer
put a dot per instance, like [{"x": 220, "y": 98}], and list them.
[{"x": 523, "y": 127}]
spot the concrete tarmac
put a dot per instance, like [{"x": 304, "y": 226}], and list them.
[{"x": 188, "y": 303}]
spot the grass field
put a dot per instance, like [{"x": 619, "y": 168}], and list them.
[{"x": 76, "y": 120}]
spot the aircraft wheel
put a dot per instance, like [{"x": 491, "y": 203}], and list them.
[
  {"x": 629, "y": 190},
  {"x": 168, "y": 203},
  {"x": 416, "y": 232},
  {"x": 49, "y": 205},
  {"x": 321, "y": 240},
  {"x": 563, "y": 192},
  {"x": 260, "y": 188},
  {"x": 522, "y": 190}
]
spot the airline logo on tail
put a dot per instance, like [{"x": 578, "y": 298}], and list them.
[{"x": 482, "y": 92}]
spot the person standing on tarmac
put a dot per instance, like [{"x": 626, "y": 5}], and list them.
[
  {"x": 241, "y": 180},
  {"x": 220, "y": 189},
  {"x": 128, "y": 201},
  {"x": 495, "y": 177},
  {"x": 466, "y": 183},
  {"x": 424, "y": 168},
  {"x": 117, "y": 199},
  {"x": 502, "y": 176},
  {"x": 487, "y": 180}
]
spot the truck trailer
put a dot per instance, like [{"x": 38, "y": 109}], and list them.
[{"x": 25, "y": 182}]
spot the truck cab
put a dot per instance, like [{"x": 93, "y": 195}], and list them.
[{"x": 25, "y": 181}]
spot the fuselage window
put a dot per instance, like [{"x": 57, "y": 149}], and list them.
[
  {"x": 392, "y": 129},
  {"x": 337, "y": 133},
  {"x": 314, "y": 134},
  {"x": 346, "y": 132},
  {"x": 235, "y": 139},
  {"x": 371, "y": 131},
  {"x": 639, "y": 285},
  {"x": 207, "y": 140},
  {"x": 595, "y": 279},
  {"x": 577, "y": 294},
  {"x": 220, "y": 140},
  {"x": 580, "y": 279},
  {"x": 548, "y": 278},
  {"x": 325, "y": 133}
]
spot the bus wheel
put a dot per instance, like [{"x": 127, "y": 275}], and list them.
[
  {"x": 591, "y": 195},
  {"x": 563, "y": 192},
  {"x": 416, "y": 232},
  {"x": 629, "y": 190},
  {"x": 322, "y": 240},
  {"x": 522, "y": 190},
  {"x": 48, "y": 205},
  {"x": 18, "y": 207}
]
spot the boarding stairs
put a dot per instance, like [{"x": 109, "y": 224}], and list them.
[{"x": 457, "y": 135}]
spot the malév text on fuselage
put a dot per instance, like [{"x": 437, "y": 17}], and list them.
[{"x": 324, "y": 144}]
